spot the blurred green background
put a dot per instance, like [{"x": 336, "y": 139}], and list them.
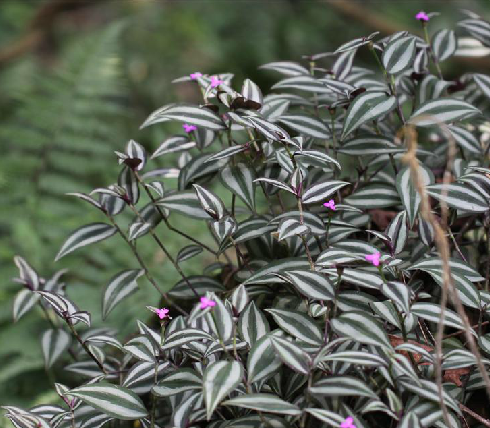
[{"x": 77, "y": 78}]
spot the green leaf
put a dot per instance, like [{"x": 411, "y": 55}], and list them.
[
  {"x": 54, "y": 344},
  {"x": 193, "y": 115},
  {"x": 115, "y": 401},
  {"x": 366, "y": 107},
  {"x": 291, "y": 355},
  {"x": 220, "y": 378},
  {"x": 341, "y": 386},
  {"x": 444, "y": 44},
  {"x": 399, "y": 54},
  {"x": 120, "y": 286},
  {"x": 262, "y": 361},
  {"x": 433, "y": 112},
  {"x": 252, "y": 324},
  {"x": 86, "y": 235},
  {"x": 298, "y": 325},
  {"x": 459, "y": 196},
  {"x": 264, "y": 403},
  {"x": 408, "y": 194},
  {"x": 239, "y": 179},
  {"x": 181, "y": 380},
  {"x": 361, "y": 327}
]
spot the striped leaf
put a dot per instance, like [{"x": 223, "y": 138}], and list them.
[
  {"x": 304, "y": 83},
  {"x": 478, "y": 28},
  {"x": 305, "y": 125},
  {"x": 287, "y": 68},
  {"x": 356, "y": 357},
  {"x": 311, "y": 284},
  {"x": 365, "y": 145},
  {"x": 210, "y": 203},
  {"x": 221, "y": 320},
  {"x": 335, "y": 256},
  {"x": 398, "y": 293},
  {"x": 252, "y": 324},
  {"x": 356, "y": 43},
  {"x": 186, "y": 203},
  {"x": 434, "y": 264},
  {"x": 459, "y": 196},
  {"x": 361, "y": 327},
  {"x": 399, "y": 55},
  {"x": 141, "y": 348},
  {"x": 266, "y": 274},
  {"x": 432, "y": 312},
  {"x": 27, "y": 274},
  {"x": 120, "y": 286},
  {"x": 239, "y": 179},
  {"x": 289, "y": 227},
  {"x": 341, "y": 386},
  {"x": 321, "y": 191},
  {"x": 269, "y": 130},
  {"x": 442, "y": 110},
  {"x": 184, "y": 410},
  {"x": 276, "y": 183},
  {"x": 408, "y": 194},
  {"x": 54, "y": 344},
  {"x": 201, "y": 284},
  {"x": 251, "y": 91},
  {"x": 366, "y": 107},
  {"x": 193, "y": 115},
  {"x": 467, "y": 292},
  {"x": 186, "y": 335},
  {"x": 220, "y": 378},
  {"x": 104, "y": 339},
  {"x": 465, "y": 139},
  {"x": 298, "y": 325},
  {"x": 24, "y": 300},
  {"x": 374, "y": 195},
  {"x": 313, "y": 221},
  {"x": 262, "y": 361},
  {"x": 181, "y": 380},
  {"x": 86, "y": 198},
  {"x": 291, "y": 355},
  {"x": 116, "y": 401},
  {"x": 176, "y": 143},
  {"x": 343, "y": 65},
  {"x": 264, "y": 403},
  {"x": 425, "y": 231},
  {"x": 483, "y": 82},
  {"x": 319, "y": 156},
  {"x": 136, "y": 151},
  {"x": 226, "y": 153},
  {"x": 398, "y": 232},
  {"x": 188, "y": 252},
  {"x": 127, "y": 181},
  {"x": 86, "y": 235},
  {"x": 444, "y": 44},
  {"x": 141, "y": 376},
  {"x": 239, "y": 298},
  {"x": 330, "y": 418},
  {"x": 196, "y": 168}
]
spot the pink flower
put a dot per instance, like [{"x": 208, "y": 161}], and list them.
[
  {"x": 215, "y": 81},
  {"x": 422, "y": 16},
  {"x": 195, "y": 75},
  {"x": 162, "y": 313},
  {"x": 330, "y": 204},
  {"x": 348, "y": 423},
  {"x": 207, "y": 303},
  {"x": 373, "y": 258},
  {"x": 189, "y": 128}
]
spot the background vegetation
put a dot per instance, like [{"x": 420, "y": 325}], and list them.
[{"x": 78, "y": 77}]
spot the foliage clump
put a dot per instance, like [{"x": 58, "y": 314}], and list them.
[{"x": 349, "y": 287}]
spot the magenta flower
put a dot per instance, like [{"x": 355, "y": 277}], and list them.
[
  {"x": 373, "y": 258},
  {"x": 189, "y": 128},
  {"x": 330, "y": 204},
  {"x": 422, "y": 16},
  {"x": 215, "y": 81},
  {"x": 348, "y": 423},
  {"x": 207, "y": 303},
  {"x": 195, "y": 75},
  {"x": 162, "y": 313}
]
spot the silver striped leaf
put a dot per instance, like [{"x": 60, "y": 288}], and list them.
[
  {"x": 365, "y": 145},
  {"x": 116, "y": 401},
  {"x": 196, "y": 168},
  {"x": 252, "y": 324},
  {"x": 24, "y": 301},
  {"x": 54, "y": 344},
  {"x": 186, "y": 203},
  {"x": 305, "y": 125},
  {"x": 276, "y": 183},
  {"x": 327, "y": 416},
  {"x": 444, "y": 44},
  {"x": 200, "y": 283},
  {"x": 188, "y": 252},
  {"x": 269, "y": 130},
  {"x": 221, "y": 319},
  {"x": 274, "y": 108},
  {"x": 210, "y": 203},
  {"x": 341, "y": 386},
  {"x": 129, "y": 183},
  {"x": 317, "y": 155},
  {"x": 251, "y": 91},
  {"x": 341, "y": 88},
  {"x": 220, "y": 378},
  {"x": 399, "y": 55},
  {"x": 398, "y": 232},
  {"x": 181, "y": 380},
  {"x": 119, "y": 287},
  {"x": 430, "y": 88},
  {"x": 239, "y": 299},
  {"x": 483, "y": 83},
  {"x": 374, "y": 195},
  {"x": 141, "y": 348},
  {"x": 86, "y": 198},
  {"x": 262, "y": 361},
  {"x": 226, "y": 153},
  {"x": 263, "y": 402},
  {"x": 356, "y": 43},
  {"x": 182, "y": 414},
  {"x": 366, "y": 107},
  {"x": 176, "y": 143},
  {"x": 239, "y": 179},
  {"x": 184, "y": 336},
  {"x": 467, "y": 292},
  {"x": 252, "y": 228},
  {"x": 291, "y": 355},
  {"x": 289, "y": 227},
  {"x": 320, "y": 191},
  {"x": 287, "y": 68},
  {"x": 135, "y": 150},
  {"x": 478, "y": 28},
  {"x": 343, "y": 64},
  {"x": 186, "y": 113},
  {"x": 297, "y": 324},
  {"x": 361, "y": 327},
  {"x": 305, "y": 83},
  {"x": 141, "y": 376},
  {"x": 465, "y": 139},
  {"x": 456, "y": 265},
  {"x": 460, "y": 196},
  {"x": 425, "y": 231},
  {"x": 421, "y": 61},
  {"x": 27, "y": 273},
  {"x": 311, "y": 284},
  {"x": 432, "y": 312},
  {"x": 399, "y": 294},
  {"x": 433, "y": 112},
  {"x": 85, "y": 235}
]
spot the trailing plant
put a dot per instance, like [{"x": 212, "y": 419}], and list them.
[{"x": 349, "y": 210}]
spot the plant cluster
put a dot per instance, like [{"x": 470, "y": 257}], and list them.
[{"x": 350, "y": 214}]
